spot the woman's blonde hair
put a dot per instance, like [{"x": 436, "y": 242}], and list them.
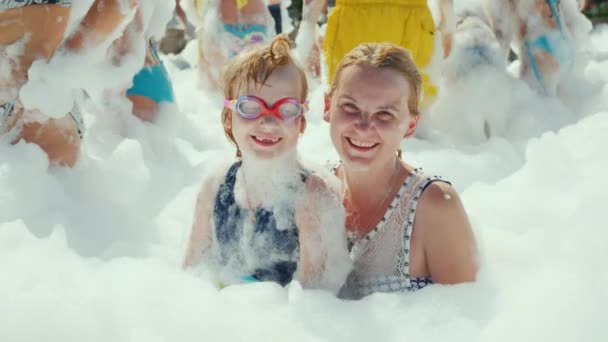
[
  {"x": 385, "y": 56},
  {"x": 255, "y": 67}
]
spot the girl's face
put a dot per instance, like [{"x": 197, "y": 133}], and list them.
[
  {"x": 369, "y": 115},
  {"x": 268, "y": 136}
]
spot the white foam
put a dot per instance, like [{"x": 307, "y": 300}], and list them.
[{"x": 94, "y": 253}]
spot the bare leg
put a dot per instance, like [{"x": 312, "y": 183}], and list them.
[
  {"x": 103, "y": 18},
  {"x": 308, "y": 27},
  {"x": 447, "y": 25},
  {"x": 143, "y": 107},
  {"x": 57, "y": 137},
  {"x": 41, "y": 29}
]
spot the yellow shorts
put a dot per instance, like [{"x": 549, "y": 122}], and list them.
[{"x": 408, "y": 23}]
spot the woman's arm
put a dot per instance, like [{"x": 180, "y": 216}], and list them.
[{"x": 449, "y": 245}]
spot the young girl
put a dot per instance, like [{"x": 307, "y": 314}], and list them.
[
  {"x": 406, "y": 229},
  {"x": 262, "y": 219}
]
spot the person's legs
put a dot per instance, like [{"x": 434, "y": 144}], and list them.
[
  {"x": 275, "y": 11},
  {"x": 410, "y": 26},
  {"x": 27, "y": 34},
  {"x": 59, "y": 138},
  {"x": 151, "y": 87}
]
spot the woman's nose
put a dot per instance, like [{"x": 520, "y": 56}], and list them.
[{"x": 363, "y": 122}]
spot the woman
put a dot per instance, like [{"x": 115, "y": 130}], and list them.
[{"x": 406, "y": 229}]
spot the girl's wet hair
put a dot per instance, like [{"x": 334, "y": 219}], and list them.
[
  {"x": 385, "y": 56},
  {"x": 254, "y": 68}
]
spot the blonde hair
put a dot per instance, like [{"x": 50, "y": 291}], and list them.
[
  {"x": 385, "y": 56},
  {"x": 255, "y": 67}
]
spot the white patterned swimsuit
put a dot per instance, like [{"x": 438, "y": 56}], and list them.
[{"x": 381, "y": 259}]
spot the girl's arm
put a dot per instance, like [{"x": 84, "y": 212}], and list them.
[
  {"x": 324, "y": 259},
  {"x": 312, "y": 259},
  {"x": 448, "y": 241},
  {"x": 201, "y": 236}
]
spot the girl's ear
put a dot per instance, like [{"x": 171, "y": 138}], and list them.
[
  {"x": 412, "y": 125},
  {"x": 326, "y": 107}
]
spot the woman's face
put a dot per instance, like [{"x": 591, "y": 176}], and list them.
[{"x": 369, "y": 115}]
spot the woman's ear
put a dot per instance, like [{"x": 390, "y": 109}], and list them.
[
  {"x": 327, "y": 100},
  {"x": 411, "y": 126}
]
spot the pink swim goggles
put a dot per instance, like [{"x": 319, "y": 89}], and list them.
[{"x": 252, "y": 107}]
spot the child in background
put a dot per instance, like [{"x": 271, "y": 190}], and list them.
[
  {"x": 546, "y": 35},
  {"x": 265, "y": 218},
  {"x": 225, "y": 29},
  {"x": 543, "y": 43}
]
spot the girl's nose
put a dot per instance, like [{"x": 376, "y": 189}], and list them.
[{"x": 269, "y": 119}]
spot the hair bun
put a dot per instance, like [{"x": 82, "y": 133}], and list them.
[{"x": 280, "y": 47}]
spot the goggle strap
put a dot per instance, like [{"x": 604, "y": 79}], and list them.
[{"x": 229, "y": 104}]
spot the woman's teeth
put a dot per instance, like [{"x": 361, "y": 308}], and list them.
[{"x": 359, "y": 143}]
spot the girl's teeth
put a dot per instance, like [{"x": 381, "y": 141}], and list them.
[
  {"x": 267, "y": 140},
  {"x": 361, "y": 143}
]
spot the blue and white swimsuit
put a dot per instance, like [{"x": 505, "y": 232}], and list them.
[{"x": 260, "y": 244}]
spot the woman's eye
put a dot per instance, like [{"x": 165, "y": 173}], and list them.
[
  {"x": 385, "y": 116},
  {"x": 350, "y": 108}
]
